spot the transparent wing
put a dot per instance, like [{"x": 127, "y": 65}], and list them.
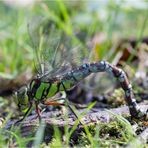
[
  {"x": 55, "y": 52},
  {"x": 45, "y": 43}
]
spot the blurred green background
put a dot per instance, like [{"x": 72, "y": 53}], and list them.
[{"x": 105, "y": 22}]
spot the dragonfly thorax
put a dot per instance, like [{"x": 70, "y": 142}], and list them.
[{"x": 40, "y": 90}]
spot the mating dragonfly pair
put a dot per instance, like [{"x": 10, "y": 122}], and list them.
[{"x": 59, "y": 69}]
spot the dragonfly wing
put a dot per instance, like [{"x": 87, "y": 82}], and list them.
[
  {"x": 44, "y": 41},
  {"x": 55, "y": 52}
]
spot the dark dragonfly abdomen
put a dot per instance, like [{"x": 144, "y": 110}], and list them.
[{"x": 73, "y": 77}]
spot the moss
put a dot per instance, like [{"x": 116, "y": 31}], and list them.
[{"x": 117, "y": 98}]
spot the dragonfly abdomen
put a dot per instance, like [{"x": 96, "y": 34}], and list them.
[{"x": 76, "y": 75}]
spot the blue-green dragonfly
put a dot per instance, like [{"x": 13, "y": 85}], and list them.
[{"x": 61, "y": 67}]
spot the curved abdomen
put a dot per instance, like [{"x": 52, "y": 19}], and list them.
[{"x": 76, "y": 75}]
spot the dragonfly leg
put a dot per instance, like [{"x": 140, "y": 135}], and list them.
[
  {"x": 26, "y": 114},
  {"x": 73, "y": 111},
  {"x": 52, "y": 103},
  {"x": 38, "y": 110},
  {"x": 68, "y": 104}
]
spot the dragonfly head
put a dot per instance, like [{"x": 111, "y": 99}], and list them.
[{"x": 21, "y": 98}]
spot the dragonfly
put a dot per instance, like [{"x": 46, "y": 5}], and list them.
[{"x": 61, "y": 66}]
